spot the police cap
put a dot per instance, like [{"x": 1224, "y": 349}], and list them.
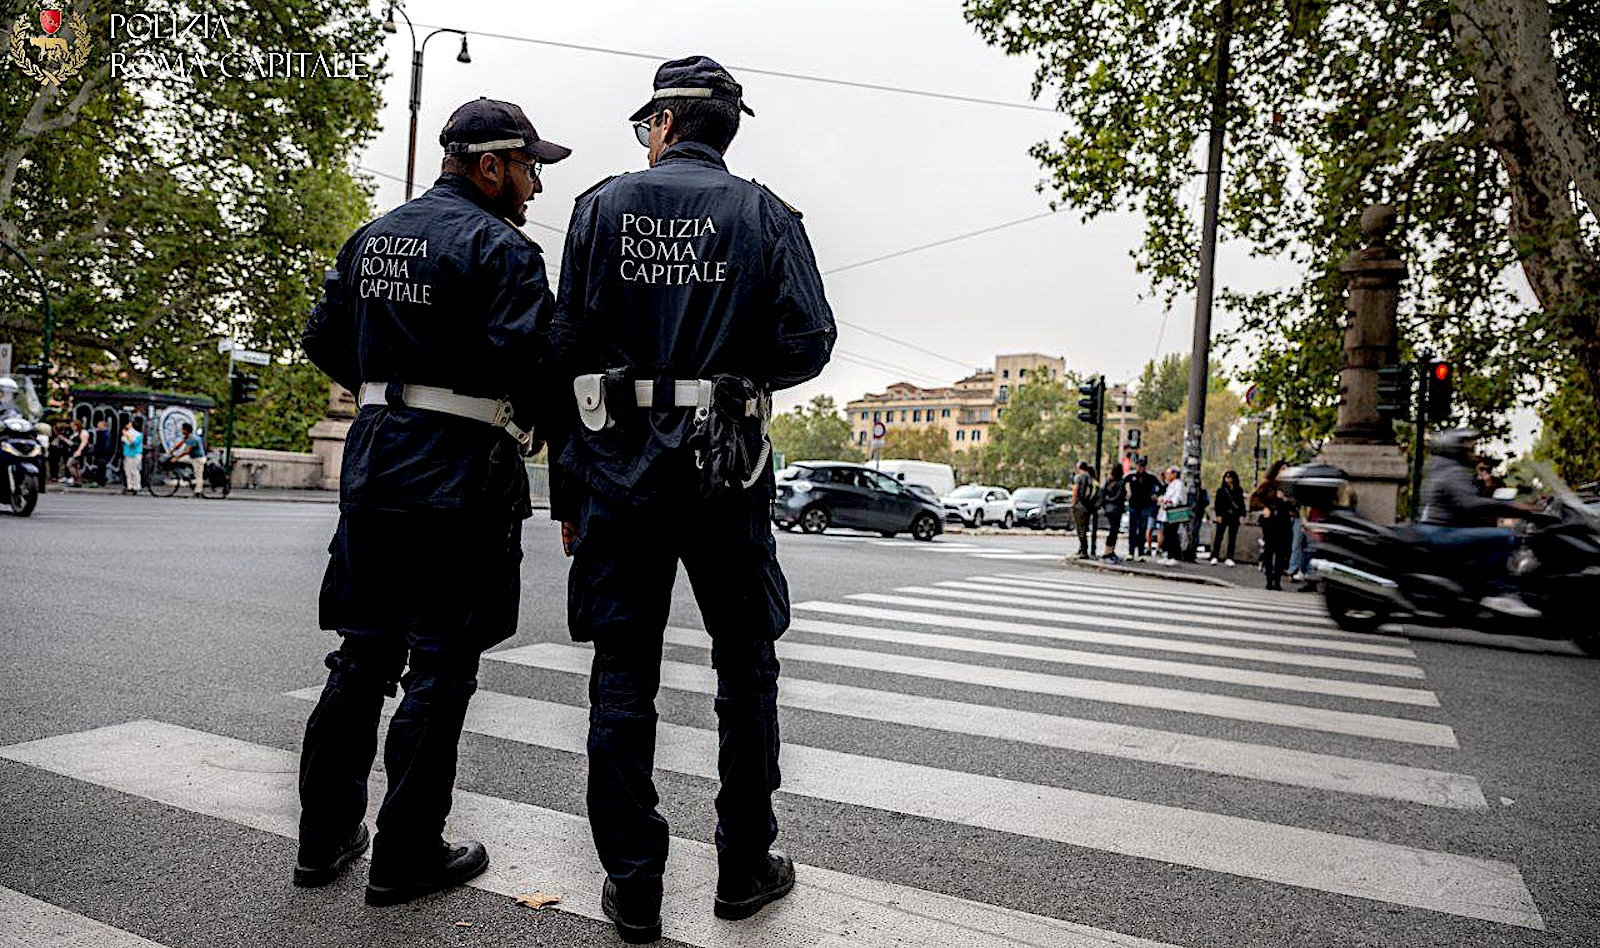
[
  {"x": 697, "y": 77},
  {"x": 491, "y": 125}
]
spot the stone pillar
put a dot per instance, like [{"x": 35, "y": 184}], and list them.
[
  {"x": 327, "y": 435},
  {"x": 1363, "y": 442}
]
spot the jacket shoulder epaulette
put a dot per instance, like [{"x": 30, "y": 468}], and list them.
[
  {"x": 596, "y": 186},
  {"x": 790, "y": 207}
]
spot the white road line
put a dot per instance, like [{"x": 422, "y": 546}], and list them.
[
  {"x": 1147, "y": 591},
  {"x": 1017, "y": 556},
  {"x": 536, "y": 849},
  {"x": 943, "y": 621},
  {"x": 960, "y": 600},
  {"x": 1170, "y": 748},
  {"x": 1338, "y": 688},
  {"x": 1354, "y": 723},
  {"x": 1329, "y": 862},
  {"x": 1110, "y": 604},
  {"x": 26, "y": 922}
]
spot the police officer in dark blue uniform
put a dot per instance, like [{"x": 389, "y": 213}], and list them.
[
  {"x": 687, "y": 296},
  {"x": 436, "y": 316}
]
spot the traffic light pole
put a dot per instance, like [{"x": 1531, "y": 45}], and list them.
[
  {"x": 1419, "y": 432},
  {"x": 1099, "y": 448}
]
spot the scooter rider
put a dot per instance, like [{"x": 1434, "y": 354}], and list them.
[
  {"x": 1460, "y": 522},
  {"x": 687, "y": 295},
  {"x": 434, "y": 316}
]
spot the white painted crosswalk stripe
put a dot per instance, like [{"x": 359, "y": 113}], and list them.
[
  {"x": 536, "y": 849},
  {"x": 1233, "y": 758},
  {"x": 1358, "y": 724},
  {"x": 1346, "y": 865},
  {"x": 26, "y": 922},
  {"x": 1216, "y": 623},
  {"x": 945, "y": 621},
  {"x": 991, "y": 604},
  {"x": 1150, "y": 591},
  {"x": 1149, "y": 666},
  {"x": 1131, "y": 600}
]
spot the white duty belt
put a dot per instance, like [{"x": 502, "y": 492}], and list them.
[
  {"x": 590, "y": 391},
  {"x": 490, "y": 411}
]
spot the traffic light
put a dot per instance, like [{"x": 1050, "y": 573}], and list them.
[
  {"x": 1394, "y": 392},
  {"x": 1092, "y": 402},
  {"x": 244, "y": 388},
  {"x": 1133, "y": 438},
  {"x": 1441, "y": 387}
]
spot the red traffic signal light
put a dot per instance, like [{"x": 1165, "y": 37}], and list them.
[{"x": 1441, "y": 371}]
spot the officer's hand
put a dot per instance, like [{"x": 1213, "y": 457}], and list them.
[{"x": 569, "y": 536}]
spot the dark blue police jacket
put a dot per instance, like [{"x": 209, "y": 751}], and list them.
[
  {"x": 440, "y": 291},
  {"x": 682, "y": 271}
]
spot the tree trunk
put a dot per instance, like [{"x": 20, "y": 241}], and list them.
[{"x": 1549, "y": 156}]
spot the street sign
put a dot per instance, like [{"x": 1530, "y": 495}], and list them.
[
  {"x": 1250, "y": 396},
  {"x": 5, "y": 358},
  {"x": 223, "y": 345},
  {"x": 250, "y": 357},
  {"x": 879, "y": 430}
]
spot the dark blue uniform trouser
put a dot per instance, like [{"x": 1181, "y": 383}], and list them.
[
  {"x": 422, "y": 593},
  {"x": 619, "y": 596},
  {"x": 1138, "y": 529}
]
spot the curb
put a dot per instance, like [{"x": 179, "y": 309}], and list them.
[
  {"x": 1103, "y": 567},
  {"x": 279, "y": 496}
]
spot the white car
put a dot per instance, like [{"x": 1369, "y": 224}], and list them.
[{"x": 976, "y": 505}]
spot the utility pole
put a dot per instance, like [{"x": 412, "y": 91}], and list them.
[{"x": 1200, "y": 353}]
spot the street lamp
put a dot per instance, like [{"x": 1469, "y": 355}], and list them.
[
  {"x": 389, "y": 26},
  {"x": 49, "y": 320}
]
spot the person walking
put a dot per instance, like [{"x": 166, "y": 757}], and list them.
[
  {"x": 672, "y": 367},
  {"x": 1276, "y": 533},
  {"x": 447, "y": 356},
  {"x": 1084, "y": 502},
  {"x": 1230, "y": 509},
  {"x": 132, "y": 458},
  {"x": 1113, "y": 501},
  {"x": 1143, "y": 489}
]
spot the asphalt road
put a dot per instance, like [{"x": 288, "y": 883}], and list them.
[{"x": 981, "y": 747}]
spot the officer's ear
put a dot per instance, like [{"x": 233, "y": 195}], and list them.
[
  {"x": 491, "y": 167},
  {"x": 669, "y": 129}
]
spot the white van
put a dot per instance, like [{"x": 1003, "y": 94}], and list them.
[{"x": 939, "y": 478}]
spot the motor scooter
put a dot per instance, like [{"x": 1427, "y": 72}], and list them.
[
  {"x": 21, "y": 464},
  {"x": 1371, "y": 574}
]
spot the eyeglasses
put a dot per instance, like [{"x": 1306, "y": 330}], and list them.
[
  {"x": 532, "y": 167},
  {"x": 641, "y": 130}
]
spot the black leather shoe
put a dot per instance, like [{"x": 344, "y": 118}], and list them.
[
  {"x": 453, "y": 865},
  {"x": 313, "y": 869},
  {"x": 638, "y": 918},
  {"x": 744, "y": 896}
]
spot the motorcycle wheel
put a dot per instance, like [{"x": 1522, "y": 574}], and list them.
[
  {"x": 25, "y": 498},
  {"x": 1349, "y": 611}
]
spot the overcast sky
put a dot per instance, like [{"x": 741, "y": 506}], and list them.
[{"x": 874, "y": 172}]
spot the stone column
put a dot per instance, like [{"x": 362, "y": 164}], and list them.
[
  {"x": 327, "y": 435},
  {"x": 1363, "y": 442}
]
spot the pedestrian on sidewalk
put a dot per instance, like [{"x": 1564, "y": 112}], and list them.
[
  {"x": 1113, "y": 500},
  {"x": 1276, "y": 532},
  {"x": 1230, "y": 510},
  {"x": 1143, "y": 489},
  {"x": 1084, "y": 502},
  {"x": 1197, "y": 522},
  {"x": 1172, "y": 500},
  {"x": 132, "y": 457},
  {"x": 80, "y": 453},
  {"x": 448, "y": 366}
]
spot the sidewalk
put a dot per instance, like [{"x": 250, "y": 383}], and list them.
[{"x": 283, "y": 495}]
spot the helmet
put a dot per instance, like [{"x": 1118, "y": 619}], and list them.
[
  {"x": 1456, "y": 443},
  {"x": 8, "y": 385}
]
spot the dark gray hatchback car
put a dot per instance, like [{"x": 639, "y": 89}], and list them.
[{"x": 816, "y": 495}]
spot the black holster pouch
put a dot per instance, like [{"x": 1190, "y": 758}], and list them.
[{"x": 728, "y": 440}]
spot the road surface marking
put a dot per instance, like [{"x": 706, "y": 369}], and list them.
[
  {"x": 26, "y": 922},
  {"x": 1149, "y": 590}
]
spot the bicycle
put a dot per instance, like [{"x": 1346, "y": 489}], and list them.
[{"x": 170, "y": 475}]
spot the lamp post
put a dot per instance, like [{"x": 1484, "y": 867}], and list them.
[
  {"x": 417, "y": 51},
  {"x": 49, "y": 319}
]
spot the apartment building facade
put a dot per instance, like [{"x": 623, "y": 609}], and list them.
[{"x": 966, "y": 410}]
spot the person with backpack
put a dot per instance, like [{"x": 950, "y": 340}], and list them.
[
  {"x": 1085, "y": 500},
  {"x": 1113, "y": 500}
]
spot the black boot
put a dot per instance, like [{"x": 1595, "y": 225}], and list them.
[
  {"x": 396, "y": 879},
  {"x": 636, "y": 915},
  {"x": 744, "y": 895},
  {"x": 318, "y": 868}
]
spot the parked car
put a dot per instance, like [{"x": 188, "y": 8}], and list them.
[
  {"x": 816, "y": 495},
  {"x": 977, "y": 504},
  {"x": 1043, "y": 508},
  {"x": 941, "y": 478}
]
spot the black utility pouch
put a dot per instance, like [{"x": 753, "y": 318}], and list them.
[{"x": 727, "y": 440}]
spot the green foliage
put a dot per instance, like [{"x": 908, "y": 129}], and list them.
[
  {"x": 291, "y": 399},
  {"x": 815, "y": 431},
  {"x": 1334, "y": 105},
  {"x": 1039, "y": 439},
  {"x": 1164, "y": 385},
  {"x": 914, "y": 443},
  {"x": 168, "y": 212},
  {"x": 1570, "y": 441},
  {"x": 1227, "y": 445}
]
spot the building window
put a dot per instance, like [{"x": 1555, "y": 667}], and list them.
[
  {"x": 1022, "y": 373},
  {"x": 977, "y": 435},
  {"x": 902, "y": 414},
  {"x": 863, "y": 416},
  {"x": 1005, "y": 393},
  {"x": 916, "y": 414},
  {"x": 875, "y": 416},
  {"x": 944, "y": 413},
  {"x": 961, "y": 434},
  {"x": 862, "y": 438},
  {"x": 999, "y": 412},
  {"x": 1005, "y": 373}
]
